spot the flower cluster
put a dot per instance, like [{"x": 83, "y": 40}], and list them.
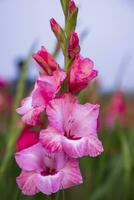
[{"x": 49, "y": 162}]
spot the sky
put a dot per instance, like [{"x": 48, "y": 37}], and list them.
[{"x": 109, "y": 41}]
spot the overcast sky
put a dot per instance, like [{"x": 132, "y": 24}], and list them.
[{"x": 110, "y": 42}]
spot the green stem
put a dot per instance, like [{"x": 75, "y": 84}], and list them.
[
  {"x": 63, "y": 195},
  {"x": 53, "y": 197},
  {"x": 18, "y": 195}
]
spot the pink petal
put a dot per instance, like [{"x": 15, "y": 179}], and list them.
[
  {"x": 72, "y": 175},
  {"x": 86, "y": 146},
  {"x": 49, "y": 184},
  {"x": 82, "y": 120},
  {"x": 81, "y": 72},
  {"x": 75, "y": 148},
  {"x": 47, "y": 87},
  {"x": 59, "y": 110},
  {"x": 95, "y": 147},
  {"x": 27, "y": 139},
  {"x": 32, "y": 116},
  {"x": 42, "y": 94},
  {"x": 26, "y": 105},
  {"x": 51, "y": 139},
  {"x": 30, "y": 158},
  {"x": 27, "y": 183},
  {"x": 46, "y": 60}
]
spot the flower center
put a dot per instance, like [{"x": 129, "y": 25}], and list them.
[
  {"x": 48, "y": 171},
  {"x": 68, "y": 130}
]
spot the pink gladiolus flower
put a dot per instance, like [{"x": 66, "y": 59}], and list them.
[
  {"x": 72, "y": 128},
  {"x": 116, "y": 110},
  {"x": 27, "y": 138},
  {"x": 44, "y": 172},
  {"x": 73, "y": 45},
  {"x": 81, "y": 72},
  {"x": 46, "y": 88},
  {"x": 46, "y": 61}
]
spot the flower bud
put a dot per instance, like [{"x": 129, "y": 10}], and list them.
[
  {"x": 59, "y": 33},
  {"x": 46, "y": 61},
  {"x": 73, "y": 45},
  {"x": 72, "y": 7},
  {"x": 81, "y": 72},
  {"x": 55, "y": 27}
]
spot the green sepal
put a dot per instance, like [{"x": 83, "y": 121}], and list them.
[
  {"x": 71, "y": 22},
  {"x": 61, "y": 39}
]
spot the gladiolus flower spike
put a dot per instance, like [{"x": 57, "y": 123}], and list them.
[{"x": 49, "y": 161}]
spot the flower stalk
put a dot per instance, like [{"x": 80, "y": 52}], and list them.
[{"x": 51, "y": 163}]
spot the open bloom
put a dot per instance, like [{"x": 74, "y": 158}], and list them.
[
  {"x": 81, "y": 72},
  {"x": 27, "y": 138},
  {"x": 46, "y": 88},
  {"x": 46, "y": 172},
  {"x": 72, "y": 128},
  {"x": 46, "y": 61}
]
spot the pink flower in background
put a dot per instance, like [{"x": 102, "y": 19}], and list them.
[
  {"x": 73, "y": 45},
  {"x": 81, "y": 72},
  {"x": 3, "y": 83},
  {"x": 45, "y": 89},
  {"x": 46, "y": 61},
  {"x": 72, "y": 128},
  {"x": 44, "y": 172},
  {"x": 27, "y": 138},
  {"x": 116, "y": 110}
]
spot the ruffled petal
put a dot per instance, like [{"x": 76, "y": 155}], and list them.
[
  {"x": 72, "y": 175},
  {"x": 51, "y": 139},
  {"x": 81, "y": 72},
  {"x": 30, "y": 158},
  {"x": 32, "y": 116},
  {"x": 26, "y": 105},
  {"x": 75, "y": 148},
  {"x": 49, "y": 184},
  {"x": 59, "y": 110},
  {"x": 86, "y": 146},
  {"x": 27, "y": 183},
  {"x": 82, "y": 120},
  {"x": 94, "y": 147}
]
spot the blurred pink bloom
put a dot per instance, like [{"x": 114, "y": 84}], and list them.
[
  {"x": 3, "y": 83},
  {"x": 46, "y": 61},
  {"x": 27, "y": 138},
  {"x": 116, "y": 110},
  {"x": 72, "y": 128},
  {"x": 81, "y": 72},
  {"x": 73, "y": 45},
  {"x": 72, "y": 7},
  {"x": 45, "y": 89},
  {"x": 44, "y": 172}
]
